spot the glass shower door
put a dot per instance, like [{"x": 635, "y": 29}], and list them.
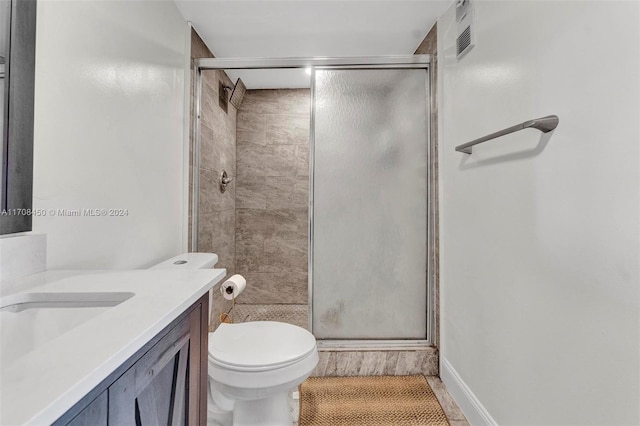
[{"x": 369, "y": 213}]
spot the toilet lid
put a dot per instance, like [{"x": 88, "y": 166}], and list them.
[{"x": 259, "y": 344}]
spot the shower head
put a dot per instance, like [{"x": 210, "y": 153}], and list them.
[{"x": 237, "y": 93}]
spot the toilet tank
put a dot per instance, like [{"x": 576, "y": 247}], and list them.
[{"x": 189, "y": 261}]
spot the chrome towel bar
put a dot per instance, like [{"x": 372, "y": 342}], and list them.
[{"x": 544, "y": 124}]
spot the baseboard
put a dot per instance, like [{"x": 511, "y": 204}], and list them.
[{"x": 470, "y": 405}]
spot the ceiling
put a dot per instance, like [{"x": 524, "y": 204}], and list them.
[{"x": 306, "y": 28}]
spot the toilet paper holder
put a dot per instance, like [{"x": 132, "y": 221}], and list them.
[{"x": 233, "y": 286}]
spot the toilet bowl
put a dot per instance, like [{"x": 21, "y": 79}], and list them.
[
  {"x": 255, "y": 364},
  {"x": 252, "y": 365}
]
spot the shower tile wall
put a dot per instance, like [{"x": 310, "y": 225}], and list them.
[
  {"x": 272, "y": 204},
  {"x": 216, "y": 221}
]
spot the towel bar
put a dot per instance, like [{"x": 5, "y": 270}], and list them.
[{"x": 544, "y": 124}]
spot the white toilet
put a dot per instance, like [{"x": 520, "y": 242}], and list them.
[{"x": 252, "y": 365}]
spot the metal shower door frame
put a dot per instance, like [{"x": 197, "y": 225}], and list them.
[{"x": 363, "y": 62}]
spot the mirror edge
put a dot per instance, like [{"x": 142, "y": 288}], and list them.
[{"x": 19, "y": 178}]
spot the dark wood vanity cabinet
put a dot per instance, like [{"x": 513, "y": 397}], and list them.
[{"x": 163, "y": 384}]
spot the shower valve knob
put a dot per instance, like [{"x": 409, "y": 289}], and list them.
[{"x": 224, "y": 181}]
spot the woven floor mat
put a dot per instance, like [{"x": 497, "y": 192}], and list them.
[{"x": 369, "y": 401}]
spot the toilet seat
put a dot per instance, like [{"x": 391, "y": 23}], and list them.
[{"x": 259, "y": 346}]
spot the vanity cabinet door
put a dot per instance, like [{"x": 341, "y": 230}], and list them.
[
  {"x": 95, "y": 414},
  {"x": 163, "y": 387}
]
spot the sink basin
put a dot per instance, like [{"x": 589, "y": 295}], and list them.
[{"x": 28, "y": 320}]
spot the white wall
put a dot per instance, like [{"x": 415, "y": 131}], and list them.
[
  {"x": 109, "y": 114},
  {"x": 540, "y": 246},
  {"x": 21, "y": 255}
]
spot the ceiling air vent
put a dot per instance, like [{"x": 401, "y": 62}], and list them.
[
  {"x": 466, "y": 24},
  {"x": 463, "y": 41}
]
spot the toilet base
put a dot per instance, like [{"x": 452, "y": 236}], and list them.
[{"x": 271, "y": 411}]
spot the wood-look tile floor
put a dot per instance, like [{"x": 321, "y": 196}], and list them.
[{"x": 449, "y": 406}]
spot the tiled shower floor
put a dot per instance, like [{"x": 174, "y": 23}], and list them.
[{"x": 292, "y": 314}]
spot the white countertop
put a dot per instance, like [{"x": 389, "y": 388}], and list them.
[{"x": 43, "y": 384}]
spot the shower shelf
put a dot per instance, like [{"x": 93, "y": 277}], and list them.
[{"x": 544, "y": 124}]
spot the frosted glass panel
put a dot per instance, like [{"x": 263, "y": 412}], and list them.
[{"x": 370, "y": 204}]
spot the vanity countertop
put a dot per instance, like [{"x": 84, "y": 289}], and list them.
[{"x": 40, "y": 386}]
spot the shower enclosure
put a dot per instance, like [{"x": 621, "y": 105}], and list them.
[{"x": 370, "y": 239}]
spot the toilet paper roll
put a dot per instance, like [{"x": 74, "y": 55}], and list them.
[{"x": 232, "y": 287}]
